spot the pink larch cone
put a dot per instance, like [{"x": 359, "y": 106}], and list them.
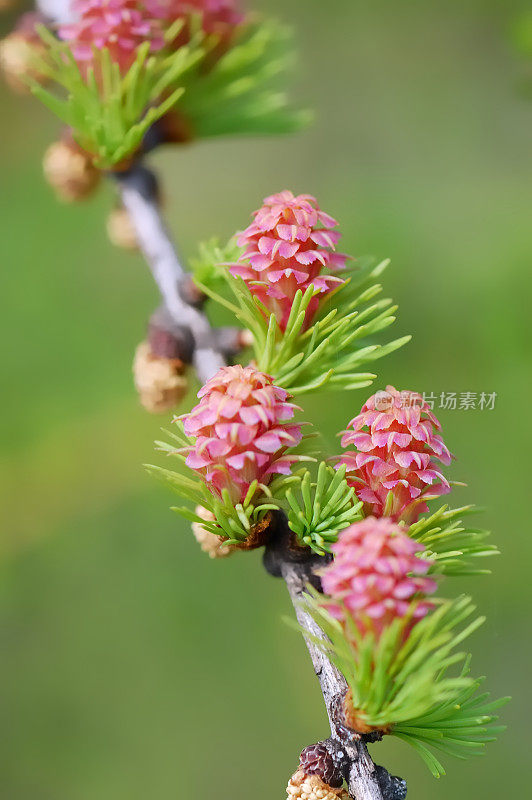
[
  {"x": 290, "y": 245},
  {"x": 217, "y": 17},
  {"x": 240, "y": 431},
  {"x": 377, "y": 576},
  {"x": 393, "y": 468},
  {"x": 120, "y": 26}
]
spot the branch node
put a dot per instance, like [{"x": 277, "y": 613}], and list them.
[
  {"x": 325, "y": 759},
  {"x": 392, "y": 787}
]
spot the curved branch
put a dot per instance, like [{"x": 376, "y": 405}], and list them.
[
  {"x": 299, "y": 567},
  {"x": 60, "y": 12},
  {"x": 362, "y": 775},
  {"x": 138, "y": 188}
]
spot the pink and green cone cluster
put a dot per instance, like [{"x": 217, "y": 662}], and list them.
[
  {"x": 122, "y": 25},
  {"x": 393, "y": 467},
  {"x": 241, "y": 431},
  {"x": 218, "y": 17},
  {"x": 290, "y": 245},
  {"x": 376, "y": 576}
]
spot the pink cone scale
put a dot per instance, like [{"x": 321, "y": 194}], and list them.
[
  {"x": 217, "y": 17},
  {"x": 377, "y": 574},
  {"x": 241, "y": 431},
  {"x": 393, "y": 467},
  {"x": 121, "y": 26},
  {"x": 290, "y": 245}
]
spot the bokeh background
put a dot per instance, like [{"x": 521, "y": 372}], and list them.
[{"x": 132, "y": 666}]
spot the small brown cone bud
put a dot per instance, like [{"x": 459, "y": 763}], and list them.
[
  {"x": 209, "y": 542},
  {"x": 191, "y": 293},
  {"x": 318, "y": 760},
  {"x": 70, "y": 171},
  {"x": 259, "y": 535},
  {"x": 120, "y": 229},
  {"x": 159, "y": 381},
  {"x": 352, "y": 719},
  {"x": 311, "y": 787},
  {"x": 175, "y": 128},
  {"x": 176, "y": 343},
  {"x": 18, "y": 54}
]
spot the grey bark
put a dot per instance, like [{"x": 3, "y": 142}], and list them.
[
  {"x": 163, "y": 261},
  {"x": 362, "y": 777},
  {"x": 59, "y": 12}
]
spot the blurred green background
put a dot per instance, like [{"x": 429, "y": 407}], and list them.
[{"x": 132, "y": 666}]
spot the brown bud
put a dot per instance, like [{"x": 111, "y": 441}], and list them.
[
  {"x": 259, "y": 534},
  {"x": 120, "y": 229},
  {"x": 174, "y": 128},
  {"x": 352, "y": 718},
  {"x": 70, "y": 171},
  {"x": 311, "y": 787},
  {"x": 159, "y": 381},
  {"x": 209, "y": 542},
  {"x": 317, "y": 759},
  {"x": 177, "y": 343},
  {"x": 191, "y": 293},
  {"x": 18, "y": 60}
]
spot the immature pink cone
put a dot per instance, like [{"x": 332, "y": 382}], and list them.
[
  {"x": 217, "y": 17},
  {"x": 290, "y": 245},
  {"x": 396, "y": 450},
  {"x": 240, "y": 430},
  {"x": 376, "y": 574},
  {"x": 118, "y": 25}
]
